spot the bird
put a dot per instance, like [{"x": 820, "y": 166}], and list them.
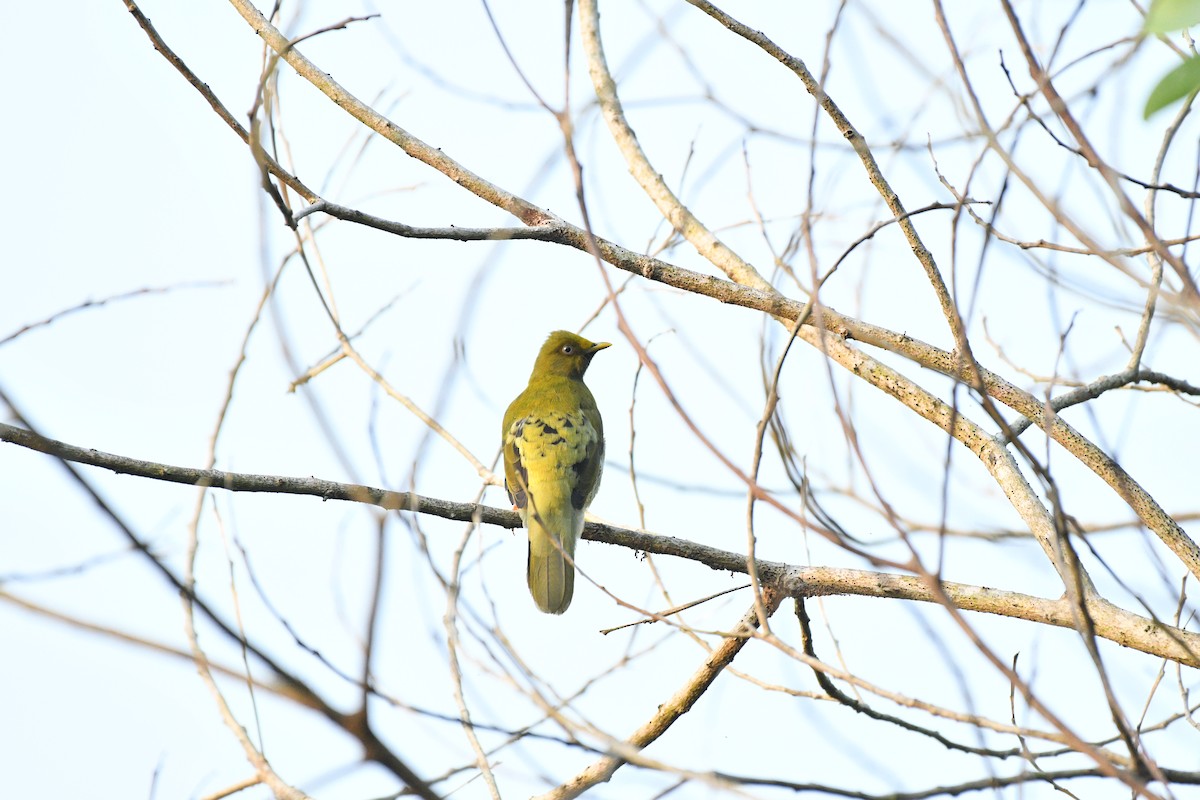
[{"x": 553, "y": 457}]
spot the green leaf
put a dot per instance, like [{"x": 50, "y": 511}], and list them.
[
  {"x": 1171, "y": 15},
  {"x": 1179, "y": 82}
]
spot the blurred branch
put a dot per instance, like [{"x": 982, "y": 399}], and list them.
[
  {"x": 374, "y": 748},
  {"x": 88, "y": 304},
  {"x": 870, "y": 165},
  {"x": 958, "y": 365},
  {"x": 998, "y": 388},
  {"x": 265, "y": 773},
  {"x": 954, "y": 790},
  {"x": 280, "y": 689},
  {"x": 207, "y": 93},
  {"x": 434, "y": 157},
  {"x": 650, "y": 179},
  {"x": 1111, "y": 177},
  {"x": 670, "y": 711}
]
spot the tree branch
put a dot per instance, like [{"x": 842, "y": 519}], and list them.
[
  {"x": 669, "y": 712},
  {"x": 553, "y": 229},
  {"x": 1111, "y": 622}
]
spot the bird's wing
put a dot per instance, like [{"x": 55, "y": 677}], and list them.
[
  {"x": 588, "y": 467},
  {"x": 516, "y": 477}
]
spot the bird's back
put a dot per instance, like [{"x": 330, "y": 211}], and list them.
[{"x": 553, "y": 456}]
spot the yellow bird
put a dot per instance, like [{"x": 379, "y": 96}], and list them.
[{"x": 553, "y": 456}]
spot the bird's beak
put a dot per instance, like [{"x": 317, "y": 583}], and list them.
[{"x": 598, "y": 346}]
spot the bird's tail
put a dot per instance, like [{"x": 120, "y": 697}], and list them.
[{"x": 551, "y": 567}]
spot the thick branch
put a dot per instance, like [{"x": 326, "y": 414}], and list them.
[{"x": 1111, "y": 622}]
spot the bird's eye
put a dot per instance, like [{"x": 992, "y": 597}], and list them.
[{"x": 568, "y": 349}]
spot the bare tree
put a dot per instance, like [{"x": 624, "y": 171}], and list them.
[{"x": 905, "y": 355}]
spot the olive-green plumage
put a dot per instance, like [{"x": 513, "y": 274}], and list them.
[{"x": 553, "y": 456}]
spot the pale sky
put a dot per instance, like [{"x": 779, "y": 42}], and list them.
[{"x": 120, "y": 179}]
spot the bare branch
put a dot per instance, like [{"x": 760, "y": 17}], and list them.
[
  {"x": 1113, "y": 623},
  {"x": 670, "y": 711}
]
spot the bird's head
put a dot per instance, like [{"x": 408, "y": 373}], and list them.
[{"x": 566, "y": 354}]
